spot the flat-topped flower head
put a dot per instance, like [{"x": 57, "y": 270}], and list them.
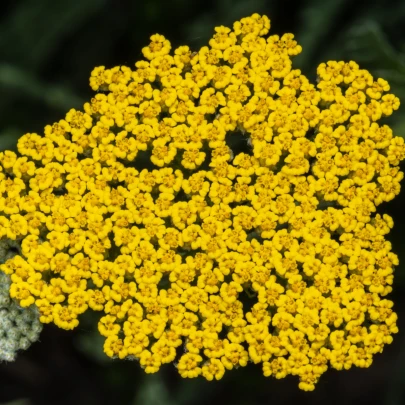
[{"x": 216, "y": 200}]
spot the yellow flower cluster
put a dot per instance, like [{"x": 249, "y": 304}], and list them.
[{"x": 143, "y": 206}]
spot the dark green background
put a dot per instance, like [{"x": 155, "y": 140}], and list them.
[{"x": 47, "y": 50}]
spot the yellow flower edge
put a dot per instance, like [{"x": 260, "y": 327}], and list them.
[{"x": 269, "y": 252}]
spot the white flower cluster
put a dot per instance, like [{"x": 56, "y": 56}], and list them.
[{"x": 19, "y": 327}]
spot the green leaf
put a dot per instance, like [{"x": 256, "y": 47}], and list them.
[
  {"x": 18, "y": 402},
  {"x": 153, "y": 392},
  {"x": 368, "y": 44},
  {"x": 8, "y": 138},
  {"x": 315, "y": 26},
  {"x": 27, "y": 84},
  {"x": 47, "y": 22}
]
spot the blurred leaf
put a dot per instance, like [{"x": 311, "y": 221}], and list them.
[
  {"x": 315, "y": 25},
  {"x": 62, "y": 18},
  {"x": 153, "y": 392},
  {"x": 57, "y": 97},
  {"x": 226, "y": 12},
  {"x": 18, "y": 402},
  {"x": 399, "y": 130},
  {"x": 367, "y": 42},
  {"x": 8, "y": 138},
  {"x": 91, "y": 344}
]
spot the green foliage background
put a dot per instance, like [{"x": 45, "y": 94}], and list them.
[{"x": 47, "y": 50}]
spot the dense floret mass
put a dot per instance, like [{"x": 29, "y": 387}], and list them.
[{"x": 216, "y": 207}]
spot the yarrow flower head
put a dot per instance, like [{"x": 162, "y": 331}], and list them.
[{"x": 215, "y": 200}]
